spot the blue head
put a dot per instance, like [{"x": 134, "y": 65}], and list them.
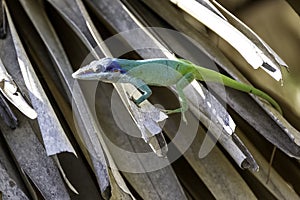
[{"x": 105, "y": 69}]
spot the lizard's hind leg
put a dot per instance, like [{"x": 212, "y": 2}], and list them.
[{"x": 181, "y": 84}]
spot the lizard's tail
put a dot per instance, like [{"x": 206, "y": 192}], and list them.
[{"x": 204, "y": 74}]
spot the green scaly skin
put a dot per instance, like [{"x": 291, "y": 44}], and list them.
[{"x": 161, "y": 72}]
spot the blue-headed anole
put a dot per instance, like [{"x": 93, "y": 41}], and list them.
[{"x": 161, "y": 72}]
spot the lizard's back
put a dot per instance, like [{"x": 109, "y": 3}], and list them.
[{"x": 159, "y": 72}]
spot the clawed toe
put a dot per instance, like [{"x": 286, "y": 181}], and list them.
[
  {"x": 167, "y": 111},
  {"x": 175, "y": 111}
]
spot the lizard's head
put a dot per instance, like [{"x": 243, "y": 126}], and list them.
[{"x": 105, "y": 69}]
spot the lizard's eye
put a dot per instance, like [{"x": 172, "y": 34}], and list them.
[
  {"x": 109, "y": 69},
  {"x": 112, "y": 69}
]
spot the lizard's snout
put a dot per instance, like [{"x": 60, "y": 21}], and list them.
[
  {"x": 79, "y": 74},
  {"x": 89, "y": 72}
]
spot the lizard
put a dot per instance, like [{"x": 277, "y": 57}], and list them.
[{"x": 161, "y": 72}]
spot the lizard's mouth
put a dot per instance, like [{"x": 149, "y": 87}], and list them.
[
  {"x": 110, "y": 77},
  {"x": 83, "y": 74},
  {"x": 89, "y": 72}
]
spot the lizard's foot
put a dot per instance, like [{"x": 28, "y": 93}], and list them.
[
  {"x": 176, "y": 111},
  {"x": 133, "y": 100},
  {"x": 137, "y": 102}
]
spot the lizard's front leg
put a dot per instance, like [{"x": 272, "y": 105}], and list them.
[{"x": 143, "y": 87}]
